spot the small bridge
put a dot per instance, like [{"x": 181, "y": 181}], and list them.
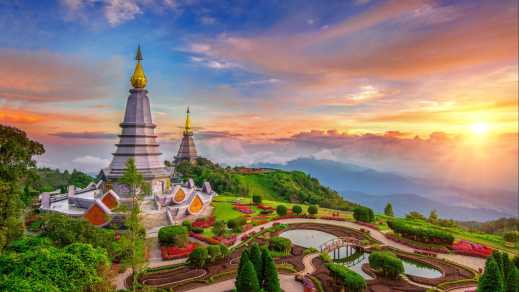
[{"x": 348, "y": 249}]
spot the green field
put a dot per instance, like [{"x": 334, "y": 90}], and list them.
[{"x": 258, "y": 184}]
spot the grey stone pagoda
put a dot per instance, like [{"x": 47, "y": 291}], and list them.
[
  {"x": 187, "y": 149},
  {"x": 138, "y": 141}
]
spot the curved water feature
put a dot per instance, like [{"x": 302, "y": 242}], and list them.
[{"x": 351, "y": 256}]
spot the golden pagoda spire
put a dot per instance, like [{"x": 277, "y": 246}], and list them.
[
  {"x": 138, "y": 79},
  {"x": 187, "y": 129}
]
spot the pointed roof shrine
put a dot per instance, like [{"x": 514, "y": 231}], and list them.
[
  {"x": 187, "y": 150},
  {"x": 137, "y": 139}
]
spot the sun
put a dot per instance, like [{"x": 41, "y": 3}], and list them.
[{"x": 480, "y": 128}]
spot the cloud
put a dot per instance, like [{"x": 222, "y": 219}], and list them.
[
  {"x": 84, "y": 135},
  {"x": 204, "y": 135},
  {"x": 118, "y": 11},
  {"x": 45, "y": 77}
]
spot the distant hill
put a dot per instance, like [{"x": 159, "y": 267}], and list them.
[
  {"x": 355, "y": 182},
  {"x": 289, "y": 186}
]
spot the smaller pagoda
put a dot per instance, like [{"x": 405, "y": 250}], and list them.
[{"x": 187, "y": 150}]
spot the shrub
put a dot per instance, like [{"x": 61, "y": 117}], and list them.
[
  {"x": 257, "y": 261},
  {"x": 386, "y": 263},
  {"x": 187, "y": 224},
  {"x": 422, "y": 234},
  {"x": 349, "y": 279},
  {"x": 236, "y": 224},
  {"x": 198, "y": 257},
  {"x": 173, "y": 235},
  {"x": 511, "y": 236},
  {"x": 312, "y": 210},
  {"x": 247, "y": 279},
  {"x": 197, "y": 230},
  {"x": 281, "y": 210},
  {"x": 363, "y": 214},
  {"x": 310, "y": 250},
  {"x": 219, "y": 227},
  {"x": 224, "y": 250},
  {"x": 326, "y": 257},
  {"x": 214, "y": 252},
  {"x": 280, "y": 244},
  {"x": 297, "y": 209},
  {"x": 256, "y": 199}
]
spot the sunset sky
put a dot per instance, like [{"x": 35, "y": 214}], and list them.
[{"x": 422, "y": 88}]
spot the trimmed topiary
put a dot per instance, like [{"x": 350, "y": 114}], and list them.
[
  {"x": 312, "y": 210},
  {"x": 347, "y": 278},
  {"x": 257, "y": 261},
  {"x": 363, "y": 214},
  {"x": 296, "y": 209},
  {"x": 281, "y": 210},
  {"x": 491, "y": 280},
  {"x": 280, "y": 244},
  {"x": 386, "y": 263},
  {"x": 198, "y": 257},
  {"x": 256, "y": 199},
  {"x": 421, "y": 234},
  {"x": 248, "y": 281},
  {"x": 173, "y": 235}
]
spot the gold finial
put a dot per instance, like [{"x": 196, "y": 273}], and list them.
[
  {"x": 138, "y": 79},
  {"x": 187, "y": 129}
]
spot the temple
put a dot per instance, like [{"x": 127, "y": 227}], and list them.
[
  {"x": 187, "y": 149},
  {"x": 168, "y": 202}
]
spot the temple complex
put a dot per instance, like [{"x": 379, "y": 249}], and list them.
[
  {"x": 187, "y": 149},
  {"x": 168, "y": 202}
]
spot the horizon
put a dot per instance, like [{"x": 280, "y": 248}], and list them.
[{"x": 422, "y": 89}]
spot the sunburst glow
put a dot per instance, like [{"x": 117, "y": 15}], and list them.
[{"x": 480, "y": 128}]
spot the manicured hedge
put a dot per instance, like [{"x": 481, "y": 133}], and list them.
[
  {"x": 422, "y": 234},
  {"x": 280, "y": 244},
  {"x": 363, "y": 214},
  {"x": 173, "y": 235},
  {"x": 386, "y": 263},
  {"x": 349, "y": 279}
]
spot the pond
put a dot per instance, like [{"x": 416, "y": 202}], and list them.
[
  {"x": 351, "y": 257},
  {"x": 307, "y": 237}
]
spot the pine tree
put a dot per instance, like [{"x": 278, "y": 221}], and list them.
[
  {"x": 499, "y": 260},
  {"x": 248, "y": 281},
  {"x": 270, "y": 274},
  {"x": 388, "y": 210},
  {"x": 244, "y": 258},
  {"x": 512, "y": 281},
  {"x": 257, "y": 261},
  {"x": 491, "y": 280}
]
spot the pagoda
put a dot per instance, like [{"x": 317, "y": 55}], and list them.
[
  {"x": 187, "y": 150},
  {"x": 138, "y": 141}
]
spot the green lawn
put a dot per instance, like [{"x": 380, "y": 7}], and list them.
[{"x": 258, "y": 184}]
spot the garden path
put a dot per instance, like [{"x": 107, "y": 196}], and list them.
[
  {"x": 307, "y": 261},
  {"x": 288, "y": 283}
]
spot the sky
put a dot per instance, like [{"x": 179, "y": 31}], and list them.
[{"x": 427, "y": 89}]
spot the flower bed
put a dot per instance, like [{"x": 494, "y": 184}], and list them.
[
  {"x": 417, "y": 245},
  {"x": 203, "y": 238},
  {"x": 465, "y": 247},
  {"x": 174, "y": 252},
  {"x": 204, "y": 222},
  {"x": 243, "y": 209},
  {"x": 294, "y": 217},
  {"x": 264, "y": 207},
  {"x": 226, "y": 241}
]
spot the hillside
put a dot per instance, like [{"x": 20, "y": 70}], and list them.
[
  {"x": 289, "y": 186},
  {"x": 374, "y": 188}
]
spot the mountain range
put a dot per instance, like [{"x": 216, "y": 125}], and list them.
[{"x": 375, "y": 188}]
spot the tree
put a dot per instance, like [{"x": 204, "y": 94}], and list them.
[
  {"x": 198, "y": 257},
  {"x": 312, "y": 210},
  {"x": 415, "y": 215},
  {"x": 296, "y": 209},
  {"x": 219, "y": 227},
  {"x": 386, "y": 263},
  {"x": 244, "y": 258},
  {"x": 248, "y": 279},
  {"x": 511, "y": 236},
  {"x": 433, "y": 216},
  {"x": 347, "y": 278},
  {"x": 173, "y": 235},
  {"x": 491, "y": 280},
  {"x": 270, "y": 274},
  {"x": 214, "y": 252},
  {"x": 388, "y": 210},
  {"x": 256, "y": 199},
  {"x": 512, "y": 281},
  {"x": 281, "y": 210},
  {"x": 257, "y": 261},
  {"x": 135, "y": 182},
  {"x": 16, "y": 166}
]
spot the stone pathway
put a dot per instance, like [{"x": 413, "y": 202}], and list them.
[{"x": 307, "y": 261}]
